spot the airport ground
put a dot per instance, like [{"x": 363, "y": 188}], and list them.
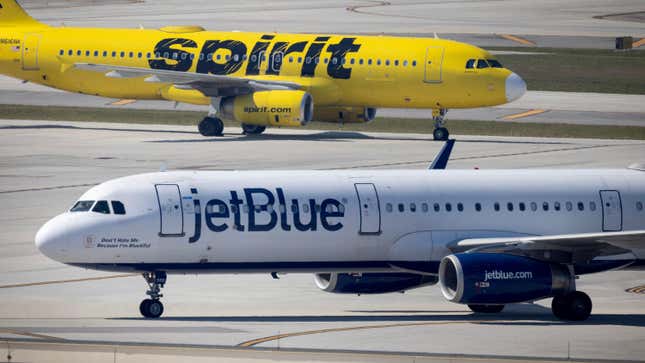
[{"x": 51, "y": 313}]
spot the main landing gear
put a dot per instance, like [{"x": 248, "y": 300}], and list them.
[
  {"x": 574, "y": 306},
  {"x": 152, "y": 307},
  {"x": 440, "y": 133},
  {"x": 248, "y": 129},
  {"x": 211, "y": 126}
]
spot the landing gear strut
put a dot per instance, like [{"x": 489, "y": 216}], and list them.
[
  {"x": 574, "y": 306},
  {"x": 152, "y": 307},
  {"x": 248, "y": 129},
  {"x": 440, "y": 133}
]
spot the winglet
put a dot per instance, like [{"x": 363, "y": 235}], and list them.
[{"x": 441, "y": 161}]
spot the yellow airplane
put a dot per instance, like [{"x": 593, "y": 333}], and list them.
[{"x": 257, "y": 79}]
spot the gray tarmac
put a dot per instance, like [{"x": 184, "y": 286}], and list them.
[{"x": 47, "y": 165}]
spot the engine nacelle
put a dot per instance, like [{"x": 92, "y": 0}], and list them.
[
  {"x": 270, "y": 108},
  {"x": 346, "y": 115},
  {"x": 495, "y": 278},
  {"x": 371, "y": 283}
]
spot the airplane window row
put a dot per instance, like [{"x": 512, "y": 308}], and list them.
[
  {"x": 100, "y": 206},
  {"x": 497, "y": 206},
  {"x": 305, "y": 208},
  {"x": 483, "y": 63},
  {"x": 236, "y": 57}
]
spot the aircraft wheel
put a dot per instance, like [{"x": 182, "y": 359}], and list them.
[
  {"x": 574, "y": 306},
  {"x": 211, "y": 126},
  {"x": 150, "y": 308},
  {"x": 440, "y": 134},
  {"x": 249, "y": 129},
  {"x": 487, "y": 309}
]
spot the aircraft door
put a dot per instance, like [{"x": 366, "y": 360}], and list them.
[
  {"x": 433, "y": 64},
  {"x": 369, "y": 208},
  {"x": 30, "y": 52},
  {"x": 170, "y": 210},
  {"x": 612, "y": 211}
]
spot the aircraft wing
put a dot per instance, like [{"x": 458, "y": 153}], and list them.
[
  {"x": 210, "y": 85},
  {"x": 572, "y": 247}
]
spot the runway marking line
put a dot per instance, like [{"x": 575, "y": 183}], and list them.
[
  {"x": 638, "y": 43},
  {"x": 518, "y": 39},
  {"x": 515, "y": 116},
  {"x": 28, "y": 334},
  {"x": 636, "y": 289},
  {"x": 122, "y": 102},
  {"x": 250, "y": 343},
  {"x": 66, "y": 281}
]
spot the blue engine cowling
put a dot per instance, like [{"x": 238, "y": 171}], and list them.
[
  {"x": 371, "y": 283},
  {"x": 495, "y": 278}
]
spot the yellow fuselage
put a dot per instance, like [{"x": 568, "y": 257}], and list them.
[{"x": 342, "y": 70}]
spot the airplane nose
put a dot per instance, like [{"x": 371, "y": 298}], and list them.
[
  {"x": 515, "y": 87},
  {"x": 51, "y": 239}
]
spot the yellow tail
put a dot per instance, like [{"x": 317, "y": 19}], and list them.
[{"x": 12, "y": 14}]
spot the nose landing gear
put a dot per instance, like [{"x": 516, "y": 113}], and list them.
[
  {"x": 440, "y": 133},
  {"x": 152, "y": 307}
]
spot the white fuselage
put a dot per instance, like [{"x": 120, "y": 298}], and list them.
[{"x": 341, "y": 221}]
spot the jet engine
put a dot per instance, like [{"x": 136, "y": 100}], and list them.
[
  {"x": 344, "y": 114},
  {"x": 270, "y": 108},
  {"x": 371, "y": 283},
  {"x": 495, "y": 278}
]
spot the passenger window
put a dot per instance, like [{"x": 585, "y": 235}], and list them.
[
  {"x": 448, "y": 207},
  {"x": 351, "y": 61},
  {"x": 581, "y": 206},
  {"x": 522, "y": 206},
  {"x": 396, "y": 62},
  {"x": 401, "y": 207},
  {"x": 369, "y": 62},
  {"x": 478, "y": 207},
  {"x": 509, "y": 206},
  {"x": 556, "y": 206},
  {"x": 132, "y": 54},
  {"x": 387, "y": 62},
  {"x": 378, "y": 62},
  {"x": 113, "y": 54},
  {"x": 569, "y": 206},
  {"x": 414, "y": 63},
  {"x": 96, "y": 53},
  {"x": 300, "y": 59},
  {"x": 460, "y": 207},
  {"x": 470, "y": 64},
  {"x": 545, "y": 206},
  {"x": 87, "y": 53},
  {"x": 343, "y": 61},
  {"x": 437, "y": 207},
  {"x": 305, "y": 208},
  {"x": 101, "y": 207},
  {"x": 639, "y": 206},
  {"x": 139, "y": 55},
  {"x": 148, "y": 55},
  {"x": 61, "y": 52},
  {"x": 405, "y": 63},
  {"x": 388, "y": 207},
  {"x": 424, "y": 207},
  {"x": 294, "y": 208},
  {"x": 494, "y": 63},
  {"x": 496, "y": 206},
  {"x": 360, "y": 61},
  {"x": 82, "y": 206},
  {"x": 118, "y": 207},
  {"x": 70, "y": 52},
  {"x": 413, "y": 207},
  {"x": 481, "y": 64},
  {"x": 533, "y": 206},
  {"x": 123, "y": 54},
  {"x": 78, "y": 52},
  {"x": 592, "y": 206},
  {"x": 326, "y": 60}
]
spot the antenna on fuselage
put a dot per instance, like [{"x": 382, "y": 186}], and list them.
[
  {"x": 436, "y": 36},
  {"x": 441, "y": 160}
]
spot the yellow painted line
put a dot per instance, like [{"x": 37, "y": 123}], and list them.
[
  {"x": 66, "y": 281},
  {"x": 518, "y": 39},
  {"x": 528, "y": 113},
  {"x": 28, "y": 334},
  {"x": 250, "y": 343},
  {"x": 637, "y": 289},
  {"x": 638, "y": 43},
  {"x": 122, "y": 102}
]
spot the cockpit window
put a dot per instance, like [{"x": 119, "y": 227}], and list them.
[
  {"x": 470, "y": 64},
  {"x": 481, "y": 64},
  {"x": 118, "y": 207},
  {"x": 101, "y": 207},
  {"x": 82, "y": 206},
  {"x": 494, "y": 63}
]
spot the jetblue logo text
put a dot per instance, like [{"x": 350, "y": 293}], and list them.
[
  {"x": 229, "y": 56},
  {"x": 504, "y": 275},
  {"x": 262, "y": 210}
]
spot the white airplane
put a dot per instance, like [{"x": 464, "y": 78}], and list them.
[{"x": 489, "y": 238}]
